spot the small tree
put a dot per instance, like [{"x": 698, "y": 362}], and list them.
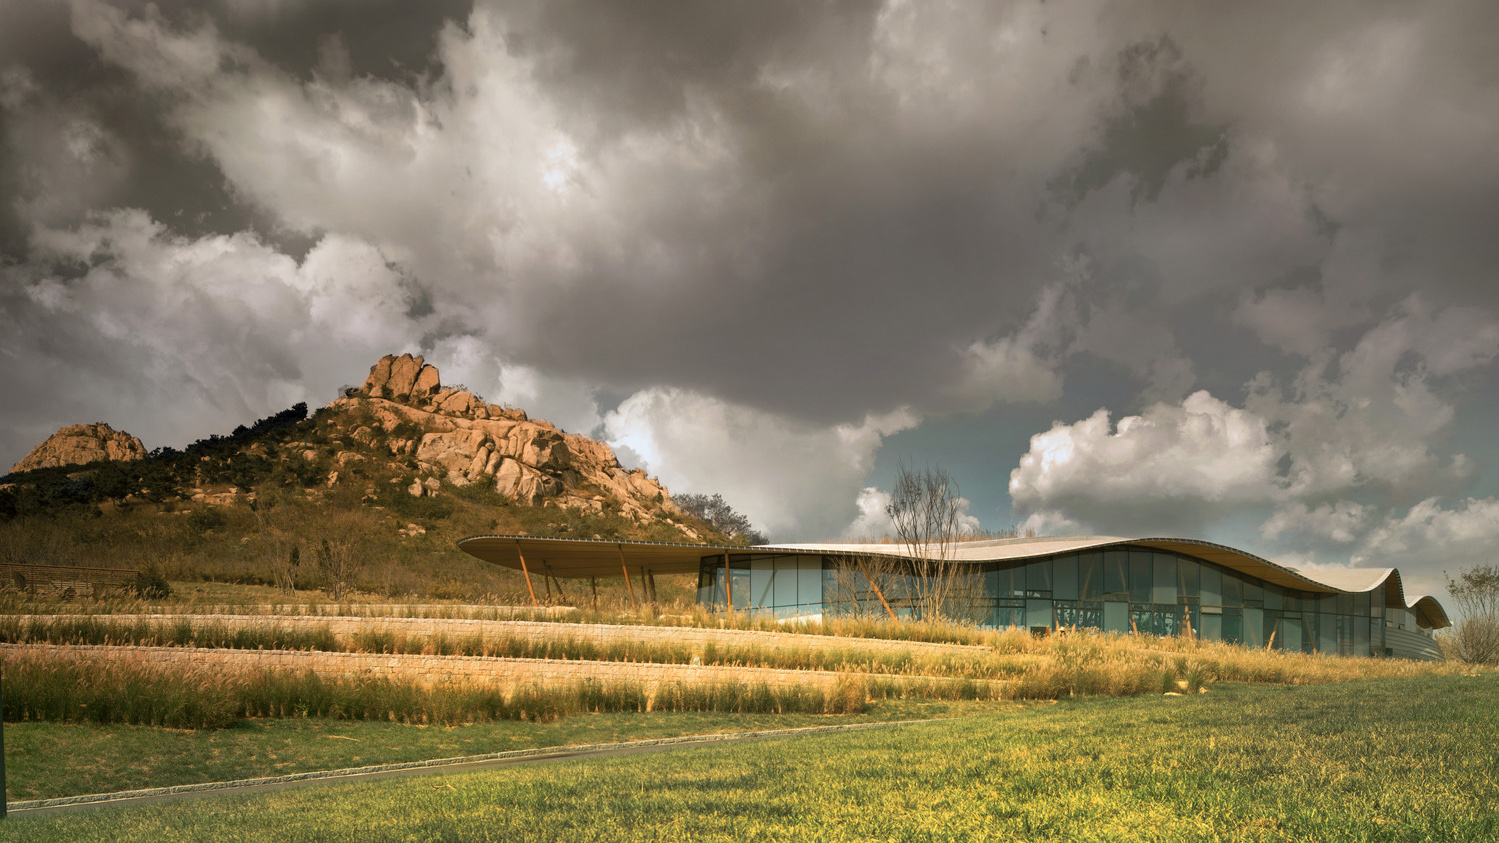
[
  {"x": 284, "y": 570},
  {"x": 151, "y": 583},
  {"x": 926, "y": 512},
  {"x": 338, "y": 564},
  {"x": 1475, "y": 637},
  {"x": 720, "y": 516}
]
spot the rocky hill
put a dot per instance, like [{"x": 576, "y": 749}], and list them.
[
  {"x": 401, "y": 433},
  {"x": 457, "y": 438},
  {"x": 79, "y": 444},
  {"x": 390, "y": 474}
]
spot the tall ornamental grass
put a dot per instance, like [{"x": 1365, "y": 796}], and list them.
[{"x": 129, "y": 691}]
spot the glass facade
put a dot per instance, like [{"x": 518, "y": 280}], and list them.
[
  {"x": 1118, "y": 589},
  {"x": 782, "y": 585}
]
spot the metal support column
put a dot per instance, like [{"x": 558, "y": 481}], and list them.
[
  {"x": 529, "y": 587},
  {"x": 626, "y": 569},
  {"x": 728, "y": 583},
  {"x": 548, "y": 569}
]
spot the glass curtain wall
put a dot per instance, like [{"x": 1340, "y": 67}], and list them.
[
  {"x": 1153, "y": 592},
  {"x": 1119, "y": 589},
  {"x": 783, "y": 586}
]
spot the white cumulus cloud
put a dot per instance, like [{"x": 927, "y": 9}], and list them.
[
  {"x": 793, "y": 480},
  {"x": 1171, "y": 465}
]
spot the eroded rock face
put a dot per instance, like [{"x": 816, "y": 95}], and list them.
[
  {"x": 466, "y": 440},
  {"x": 77, "y": 444}
]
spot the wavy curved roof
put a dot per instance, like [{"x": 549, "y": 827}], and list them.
[{"x": 595, "y": 558}]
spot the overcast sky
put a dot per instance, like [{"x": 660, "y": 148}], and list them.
[{"x": 1224, "y": 271}]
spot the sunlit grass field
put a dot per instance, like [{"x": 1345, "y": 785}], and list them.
[
  {"x": 1387, "y": 759},
  {"x": 46, "y": 760}
]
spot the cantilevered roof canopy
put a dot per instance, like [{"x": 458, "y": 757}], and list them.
[
  {"x": 590, "y": 558},
  {"x": 594, "y": 558}
]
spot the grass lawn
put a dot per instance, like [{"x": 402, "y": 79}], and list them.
[
  {"x": 44, "y": 760},
  {"x": 1393, "y": 759}
]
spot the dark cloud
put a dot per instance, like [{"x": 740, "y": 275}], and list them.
[
  {"x": 826, "y": 222},
  {"x": 1155, "y": 135}
]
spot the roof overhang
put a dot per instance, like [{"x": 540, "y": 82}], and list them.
[
  {"x": 587, "y": 557},
  {"x": 598, "y": 558}
]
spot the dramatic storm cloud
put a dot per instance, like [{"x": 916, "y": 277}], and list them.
[{"x": 1222, "y": 271}]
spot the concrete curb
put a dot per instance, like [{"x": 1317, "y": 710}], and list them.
[{"x": 536, "y": 752}]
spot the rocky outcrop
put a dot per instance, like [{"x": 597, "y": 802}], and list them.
[
  {"x": 403, "y": 378},
  {"x": 467, "y": 440},
  {"x": 78, "y": 444}
]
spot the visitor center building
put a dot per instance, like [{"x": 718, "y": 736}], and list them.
[{"x": 1155, "y": 586}]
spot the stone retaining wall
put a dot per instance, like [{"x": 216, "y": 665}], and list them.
[{"x": 427, "y": 670}]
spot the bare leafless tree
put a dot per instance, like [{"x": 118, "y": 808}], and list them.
[
  {"x": 1475, "y": 637},
  {"x": 338, "y": 563},
  {"x": 864, "y": 585},
  {"x": 284, "y": 569},
  {"x": 926, "y": 512}
]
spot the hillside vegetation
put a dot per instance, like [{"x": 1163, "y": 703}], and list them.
[{"x": 377, "y": 484}]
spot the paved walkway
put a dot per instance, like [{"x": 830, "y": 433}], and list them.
[{"x": 541, "y": 755}]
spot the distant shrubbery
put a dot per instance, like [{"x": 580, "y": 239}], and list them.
[
  {"x": 716, "y": 513},
  {"x": 163, "y": 474}
]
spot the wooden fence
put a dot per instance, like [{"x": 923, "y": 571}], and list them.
[{"x": 66, "y": 581}]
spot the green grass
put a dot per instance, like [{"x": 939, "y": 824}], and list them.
[
  {"x": 46, "y": 760},
  {"x": 1396, "y": 759}
]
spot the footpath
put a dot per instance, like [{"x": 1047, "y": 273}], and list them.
[{"x": 40, "y": 807}]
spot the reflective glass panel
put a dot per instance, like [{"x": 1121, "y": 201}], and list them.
[
  {"x": 1083, "y": 615},
  {"x": 1116, "y": 616},
  {"x": 1141, "y": 619},
  {"x": 1187, "y": 576},
  {"x": 762, "y": 582},
  {"x": 786, "y": 577},
  {"x": 739, "y": 586},
  {"x": 1212, "y": 627},
  {"x": 1064, "y": 578},
  {"x": 1233, "y": 626},
  {"x": 1290, "y": 635},
  {"x": 1233, "y": 590},
  {"x": 1254, "y": 595},
  {"x": 1273, "y": 596},
  {"x": 1116, "y": 573},
  {"x": 1165, "y": 579},
  {"x": 1327, "y": 633},
  {"x": 1038, "y": 580},
  {"x": 1011, "y": 582},
  {"x": 1141, "y": 576},
  {"x": 1090, "y": 576},
  {"x": 1007, "y": 616},
  {"x": 1038, "y": 613},
  {"x": 1212, "y": 586},
  {"x": 809, "y": 581}
]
